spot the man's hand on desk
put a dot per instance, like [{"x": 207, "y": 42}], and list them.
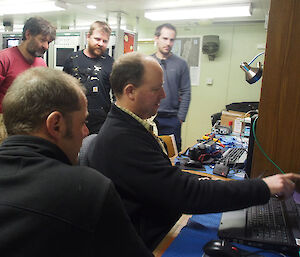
[{"x": 282, "y": 185}]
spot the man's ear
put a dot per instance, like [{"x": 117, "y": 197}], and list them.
[
  {"x": 27, "y": 34},
  {"x": 129, "y": 90},
  {"x": 55, "y": 124}
]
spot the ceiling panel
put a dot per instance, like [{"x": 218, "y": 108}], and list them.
[{"x": 131, "y": 12}]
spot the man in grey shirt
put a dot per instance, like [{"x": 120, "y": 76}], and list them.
[{"x": 173, "y": 109}]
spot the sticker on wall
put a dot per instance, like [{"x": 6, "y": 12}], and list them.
[{"x": 128, "y": 42}]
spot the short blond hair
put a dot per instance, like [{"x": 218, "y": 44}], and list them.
[{"x": 103, "y": 26}]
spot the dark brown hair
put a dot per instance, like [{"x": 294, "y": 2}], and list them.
[
  {"x": 38, "y": 25},
  {"x": 165, "y": 25}
]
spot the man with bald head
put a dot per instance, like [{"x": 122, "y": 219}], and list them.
[
  {"x": 154, "y": 192},
  {"x": 48, "y": 206}
]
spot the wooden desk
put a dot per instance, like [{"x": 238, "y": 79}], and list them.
[
  {"x": 215, "y": 177},
  {"x": 168, "y": 239}
]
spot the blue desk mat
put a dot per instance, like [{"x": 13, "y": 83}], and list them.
[
  {"x": 233, "y": 174},
  {"x": 199, "y": 230}
]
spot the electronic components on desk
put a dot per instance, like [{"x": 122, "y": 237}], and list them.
[
  {"x": 221, "y": 130},
  {"x": 204, "y": 152}
]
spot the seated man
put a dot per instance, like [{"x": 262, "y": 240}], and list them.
[
  {"x": 154, "y": 192},
  {"x": 47, "y": 206}
]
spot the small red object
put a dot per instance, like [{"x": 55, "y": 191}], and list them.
[{"x": 234, "y": 248}]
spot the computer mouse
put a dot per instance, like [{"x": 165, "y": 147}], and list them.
[{"x": 221, "y": 248}]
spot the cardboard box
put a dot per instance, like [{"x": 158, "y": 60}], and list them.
[{"x": 237, "y": 119}]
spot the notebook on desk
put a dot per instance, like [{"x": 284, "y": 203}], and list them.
[{"x": 274, "y": 226}]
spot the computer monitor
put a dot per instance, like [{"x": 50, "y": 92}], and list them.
[
  {"x": 12, "y": 42},
  {"x": 61, "y": 53}
]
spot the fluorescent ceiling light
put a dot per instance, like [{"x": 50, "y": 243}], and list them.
[
  {"x": 91, "y": 6},
  {"x": 28, "y": 6},
  {"x": 196, "y": 13}
]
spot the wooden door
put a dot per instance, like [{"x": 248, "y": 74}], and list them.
[{"x": 278, "y": 126}]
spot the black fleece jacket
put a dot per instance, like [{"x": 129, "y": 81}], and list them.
[
  {"x": 154, "y": 192},
  {"x": 50, "y": 208}
]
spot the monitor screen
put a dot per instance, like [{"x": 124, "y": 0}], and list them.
[
  {"x": 12, "y": 42},
  {"x": 62, "y": 54}
]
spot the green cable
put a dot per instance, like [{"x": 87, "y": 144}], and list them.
[{"x": 261, "y": 149}]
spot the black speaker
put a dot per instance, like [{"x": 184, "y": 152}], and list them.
[{"x": 7, "y": 23}]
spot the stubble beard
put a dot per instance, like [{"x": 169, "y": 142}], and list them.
[
  {"x": 165, "y": 53},
  {"x": 31, "y": 49}
]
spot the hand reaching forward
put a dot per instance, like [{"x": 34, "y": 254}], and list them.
[{"x": 283, "y": 185}]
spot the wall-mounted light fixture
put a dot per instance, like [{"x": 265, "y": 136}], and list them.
[
  {"x": 252, "y": 74},
  {"x": 200, "y": 12}
]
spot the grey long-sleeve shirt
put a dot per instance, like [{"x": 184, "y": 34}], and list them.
[{"x": 177, "y": 86}]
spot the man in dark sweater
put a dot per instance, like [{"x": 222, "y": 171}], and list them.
[
  {"x": 177, "y": 85},
  {"x": 47, "y": 206},
  {"x": 154, "y": 192}
]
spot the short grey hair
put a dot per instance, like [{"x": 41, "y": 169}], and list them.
[{"x": 38, "y": 25}]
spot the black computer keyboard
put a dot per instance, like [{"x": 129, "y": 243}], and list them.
[
  {"x": 235, "y": 156},
  {"x": 267, "y": 222}
]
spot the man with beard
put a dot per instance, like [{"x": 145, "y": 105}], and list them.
[
  {"x": 92, "y": 66},
  {"x": 37, "y": 35},
  {"x": 173, "y": 109}
]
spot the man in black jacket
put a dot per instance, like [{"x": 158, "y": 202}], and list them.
[
  {"x": 47, "y": 206},
  {"x": 154, "y": 192}
]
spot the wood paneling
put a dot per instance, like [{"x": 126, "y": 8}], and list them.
[{"x": 278, "y": 126}]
